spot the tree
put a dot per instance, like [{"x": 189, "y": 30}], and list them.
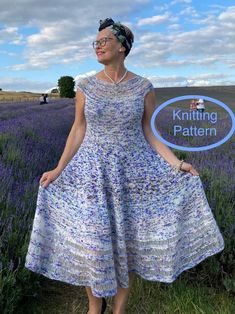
[{"x": 66, "y": 86}]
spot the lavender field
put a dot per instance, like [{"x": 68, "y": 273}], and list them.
[{"x": 32, "y": 139}]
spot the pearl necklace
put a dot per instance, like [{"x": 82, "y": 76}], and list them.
[{"x": 113, "y": 80}]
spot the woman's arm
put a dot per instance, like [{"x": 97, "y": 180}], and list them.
[
  {"x": 162, "y": 149},
  {"x": 76, "y": 134}
]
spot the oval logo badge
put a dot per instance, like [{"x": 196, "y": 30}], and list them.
[{"x": 186, "y": 148}]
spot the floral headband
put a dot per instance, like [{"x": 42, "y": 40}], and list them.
[{"x": 118, "y": 30}]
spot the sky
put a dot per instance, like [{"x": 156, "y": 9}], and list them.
[{"x": 176, "y": 43}]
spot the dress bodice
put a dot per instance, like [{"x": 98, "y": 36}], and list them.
[{"x": 114, "y": 112}]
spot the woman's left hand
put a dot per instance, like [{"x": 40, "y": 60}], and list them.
[{"x": 189, "y": 168}]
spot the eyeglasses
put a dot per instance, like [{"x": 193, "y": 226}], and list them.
[{"x": 102, "y": 42}]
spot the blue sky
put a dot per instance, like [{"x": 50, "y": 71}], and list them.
[{"x": 177, "y": 43}]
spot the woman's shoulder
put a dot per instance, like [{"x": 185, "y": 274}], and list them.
[
  {"x": 145, "y": 79},
  {"x": 82, "y": 84},
  {"x": 147, "y": 82},
  {"x": 82, "y": 80}
]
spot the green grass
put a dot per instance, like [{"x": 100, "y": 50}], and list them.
[
  {"x": 146, "y": 297},
  {"x": 13, "y": 155},
  {"x": 4, "y": 138}
]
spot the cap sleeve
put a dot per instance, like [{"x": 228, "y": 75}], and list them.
[
  {"x": 82, "y": 85},
  {"x": 148, "y": 86}
]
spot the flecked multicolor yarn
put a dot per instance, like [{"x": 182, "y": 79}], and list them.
[{"x": 119, "y": 206}]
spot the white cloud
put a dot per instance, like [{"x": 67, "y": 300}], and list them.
[
  {"x": 172, "y": 49},
  {"x": 50, "y": 89},
  {"x": 162, "y": 7},
  {"x": 10, "y": 35},
  {"x": 143, "y": 1},
  {"x": 22, "y": 84},
  {"x": 229, "y": 14},
  {"x": 154, "y": 20},
  {"x": 40, "y": 58},
  {"x": 8, "y": 53},
  {"x": 79, "y": 76},
  {"x": 206, "y": 79},
  {"x": 85, "y": 14},
  {"x": 66, "y": 31},
  {"x": 217, "y": 6},
  {"x": 174, "y": 27},
  {"x": 180, "y": 1},
  {"x": 189, "y": 12},
  {"x": 205, "y": 46}
]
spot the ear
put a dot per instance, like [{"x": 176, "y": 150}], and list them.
[{"x": 122, "y": 49}]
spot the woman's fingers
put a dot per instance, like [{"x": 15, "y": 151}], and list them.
[
  {"x": 45, "y": 183},
  {"x": 194, "y": 171},
  {"x": 43, "y": 180},
  {"x": 189, "y": 168},
  {"x": 48, "y": 177}
]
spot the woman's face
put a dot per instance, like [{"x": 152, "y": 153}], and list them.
[{"x": 110, "y": 50}]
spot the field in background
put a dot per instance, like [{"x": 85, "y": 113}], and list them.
[
  {"x": 32, "y": 139},
  {"x": 223, "y": 93},
  {"x": 23, "y": 96}
]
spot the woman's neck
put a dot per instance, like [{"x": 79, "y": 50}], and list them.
[{"x": 115, "y": 72}]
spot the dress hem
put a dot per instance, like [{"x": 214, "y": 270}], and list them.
[{"x": 113, "y": 292}]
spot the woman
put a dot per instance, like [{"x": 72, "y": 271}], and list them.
[
  {"x": 193, "y": 105},
  {"x": 119, "y": 202},
  {"x": 200, "y": 105}
]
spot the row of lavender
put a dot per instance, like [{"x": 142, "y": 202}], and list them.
[{"x": 32, "y": 139}]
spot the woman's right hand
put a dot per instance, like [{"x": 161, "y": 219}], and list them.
[{"x": 48, "y": 177}]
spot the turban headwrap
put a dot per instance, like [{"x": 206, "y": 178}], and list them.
[{"x": 119, "y": 31}]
